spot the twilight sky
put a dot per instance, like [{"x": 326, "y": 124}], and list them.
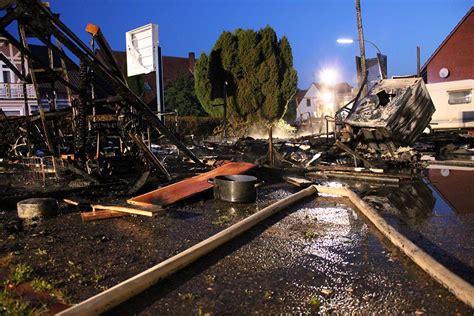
[{"x": 312, "y": 27}]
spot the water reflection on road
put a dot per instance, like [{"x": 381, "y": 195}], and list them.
[
  {"x": 456, "y": 187},
  {"x": 437, "y": 213}
]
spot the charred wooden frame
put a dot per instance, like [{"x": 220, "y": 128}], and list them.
[{"x": 44, "y": 24}]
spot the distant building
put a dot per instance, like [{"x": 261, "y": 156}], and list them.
[
  {"x": 12, "y": 101},
  {"x": 173, "y": 67},
  {"x": 322, "y": 100},
  {"x": 449, "y": 74},
  {"x": 11, "y": 90}
]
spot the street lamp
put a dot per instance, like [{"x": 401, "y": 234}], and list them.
[
  {"x": 350, "y": 41},
  {"x": 328, "y": 76}
]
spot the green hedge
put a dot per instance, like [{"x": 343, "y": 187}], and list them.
[{"x": 198, "y": 126}]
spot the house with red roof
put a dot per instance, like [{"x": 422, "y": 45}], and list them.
[
  {"x": 173, "y": 67},
  {"x": 449, "y": 74}
]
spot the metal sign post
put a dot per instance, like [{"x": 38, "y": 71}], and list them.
[{"x": 144, "y": 56}]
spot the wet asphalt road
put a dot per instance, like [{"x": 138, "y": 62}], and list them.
[{"x": 320, "y": 256}]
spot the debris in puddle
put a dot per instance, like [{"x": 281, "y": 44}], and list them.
[{"x": 326, "y": 291}]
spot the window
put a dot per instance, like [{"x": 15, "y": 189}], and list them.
[
  {"x": 460, "y": 97},
  {"x": 12, "y": 113},
  {"x": 308, "y": 102},
  {"x": 6, "y": 77}
]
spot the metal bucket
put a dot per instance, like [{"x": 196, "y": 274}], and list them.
[{"x": 236, "y": 188}]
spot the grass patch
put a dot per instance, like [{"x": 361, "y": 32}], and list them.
[
  {"x": 310, "y": 234},
  {"x": 22, "y": 273},
  {"x": 210, "y": 278},
  {"x": 222, "y": 220},
  {"x": 97, "y": 277},
  {"x": 41, "y": 285},
  {"x": 314, "y": 302},
  {"x": 11, "y": 305},
  {"x": 187, "y": 296},
  {"x": 41, "y": 252},
  {"x": 267, "y": 295}
]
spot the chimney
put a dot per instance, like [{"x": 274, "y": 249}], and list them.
[{"x": 191, "y": 59}]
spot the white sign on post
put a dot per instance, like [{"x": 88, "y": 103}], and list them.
[
  {"x": 143, "y": 56},
  {"x": 142, "y": 44}
]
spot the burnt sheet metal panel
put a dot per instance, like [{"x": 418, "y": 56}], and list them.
[{"x": 400, "y": 108}]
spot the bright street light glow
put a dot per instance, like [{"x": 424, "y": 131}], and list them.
[
  {"x": 328, "y": 76},
  {"x": 327, "y": 96},
  {"x": 345, "y": 40}
]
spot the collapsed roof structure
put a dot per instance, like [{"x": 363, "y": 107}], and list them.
[{"x": 102, "y": 87}]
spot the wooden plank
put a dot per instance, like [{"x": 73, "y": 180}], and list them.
[
  {"x": 353, "y": 176},
  {"x": 298, "y": 181},
  {"x": 103, "y": 214},
  {"x": 188, "y": 187},
  {"x": 129, "y": 210},
  {"x": 71, "y": 202}
]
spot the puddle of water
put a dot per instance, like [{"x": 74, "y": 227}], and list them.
[
  {"x": 437, "y": 214},
  {"x": 455, "y": 186}
]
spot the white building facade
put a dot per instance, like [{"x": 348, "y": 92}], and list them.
[{"x": 321, "y": 102}]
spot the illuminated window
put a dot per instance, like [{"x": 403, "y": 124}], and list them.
[{"x": 460, "y": 97}]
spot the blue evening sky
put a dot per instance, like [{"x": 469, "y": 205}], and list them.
[{"x": 312, "y": 27}]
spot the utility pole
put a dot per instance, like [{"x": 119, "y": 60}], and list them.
[
  {"x": 418, "y": 70},
  {"x": 363, "y": 66},
  {"x": 225, "y": 111}
]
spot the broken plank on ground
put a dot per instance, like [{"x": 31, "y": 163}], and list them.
[
  {"x": 298, "y": 181},
  {"x": 129, "y": 210},
  {"x": 183, "y": 189},
  {"x": 77, "y": 202},
  {"x": 102, "y": 214},
  {"x": 355, "y": 176}
]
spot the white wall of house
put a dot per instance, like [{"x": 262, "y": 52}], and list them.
[
  {"x": 308, "y": 105},
  {"x": 317, "y": 104},
  {"x": 454, "y": 104},
  {"x": 11, "y": 90}
]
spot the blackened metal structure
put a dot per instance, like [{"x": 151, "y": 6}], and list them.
[{"x": 39, "y": 22}]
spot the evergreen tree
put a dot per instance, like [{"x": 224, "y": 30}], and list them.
[
  {"x": 135, "y": 83},
  {"x": 180, "y": 96},
  {"x": 259, "y": 72}
]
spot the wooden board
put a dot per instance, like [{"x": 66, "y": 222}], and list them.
[
  {"x": 103, "y": 214},
  {"x": 180, "y": 190},
  {"x": 298, "y": 181},
  {"x": 138, "y": 211}
]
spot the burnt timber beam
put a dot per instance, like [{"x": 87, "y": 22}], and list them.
[
  {"x": 7, "y": 19},
  {"x": 99, "y": 37},
  {"x": 353, "y": 153},
  {"x": 12, "y": 67},
  {"x": 31, "y": 8},
  {"x": 151, "y": 157},
  {"x": 27, "y": 52}
]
